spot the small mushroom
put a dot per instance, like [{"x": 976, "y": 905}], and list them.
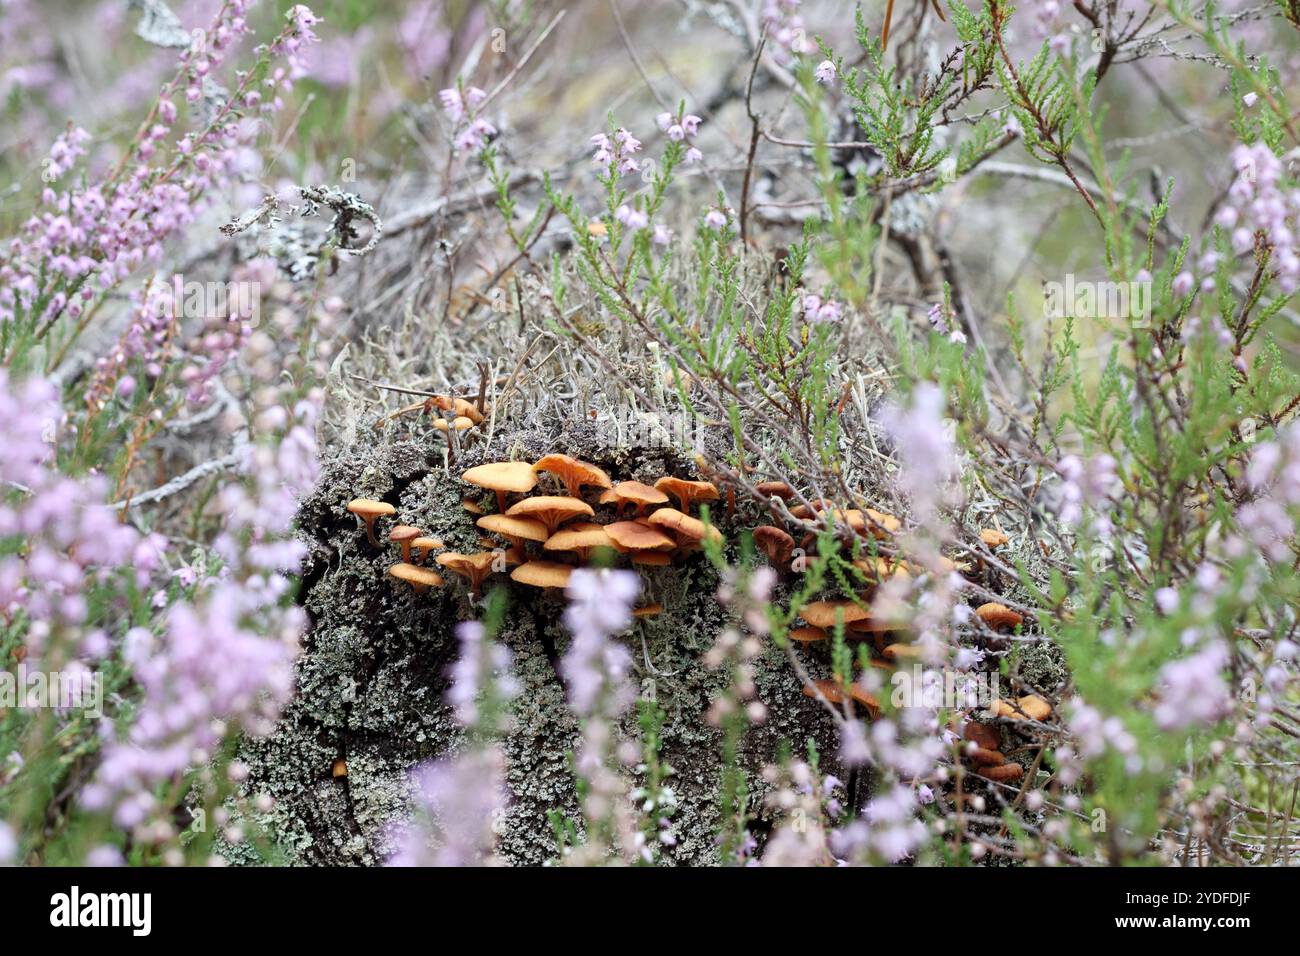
[
  {"x": 993, "y": 538},
  {"x": 460, "y": 423},
  {"x": 824, "y": 614},
  {"x": 579, "y": 537},
  {"x": 642, "y": 497},
  {"x": 687, "y": 491},
  {"x": 834, "y": 693},
  {"x": 630, "y": 537},
  {"x": 503, "y": 477},
  {"x": 650, "y": 610},
  {"x": 982, "y": 756},
  {"x": 425, "y": 546},
  {"x": 1006, "y": 773},
  {"x": 573, "y": 473},
  {"x": 421, "y": 579},
  {"x": 778, "y": 488},
  {"x": 998, "y": 616},
  {"x": 472, "y": 506},
  {"x": 776, "y": 544},
  {"x": 515, "y": 530},
  {"x": 473, "y": 567},
  {"x": 982, "y": 735},
  {"x": 550, "y": 510},
  {"x": 368, "y": 510},
  {"x": 404, "y": 534},
  {"x": 807, "y": 635},
  {"x": 1031, "y": 707},
  {"x": 339, "y": 768},
  {"x": 912, "y": 652},
  {"x": 542, "y": 574},
  {"x": 689, "y": 531}
]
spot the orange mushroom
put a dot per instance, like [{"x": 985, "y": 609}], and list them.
[
  {"x": 368, "y": 510},
  {"x": 689, "y": 531},
  {"x": 998, "y": 616},
  {"x": 420, "y": 579},
  {"x": 572, "y": 472},
  {"x": 404, "y": 534},
  {"x": 834, "y": 693},
  {"x": 824, "y": 614},
  {"x": 778, "y": 488},
  {"x": 993, "y": 538},
  {"x": 542, "y": 574},
  {"x": 425, "y": 546},
  {"x": 776, "y": 544},
  {"x": 473, "y": 567},
  {"x": 641, "y": 496},
  {"x": 550, "y": 510},
  {"x": 686, "y": 491},
  {"x": 1029, "y": 707},
  {"x": 1006, "y": 773},
  {"x": 503, "y": 477},
  {"x": 579, "y": 537},
  {"x": 653, "y": 559},
  {"x": 633, "y": 536},
  {"x": 515, "y": 530},
  {"x": 807, "y": 635}
]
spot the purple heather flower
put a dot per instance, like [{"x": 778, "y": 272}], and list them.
[{"x": 825, "y": 71}]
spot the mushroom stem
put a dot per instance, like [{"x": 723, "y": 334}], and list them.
[
  {"x": 406, "y": 551},
  {"x": 370, "y": 531},
  {"x": 501, "y": 501}
]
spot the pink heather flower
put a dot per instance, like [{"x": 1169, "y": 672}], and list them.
[
  {"x": 457, "y": 802},
  {"x": 481, "y": 660},
  {"x": 1250, "y": 99},
  {"x": 616, "y": 152},
  {"x": 924, "y": 445},
  {"x": 1193, "y": 691},
  {"x": 717, "y": 218},
  {"x": 632, "y": 218},
  {"x": 1183, "y": 283},
  {"x": 1091, "y": 484},
  {"x": 595, "y": 668},
  {"x": 692, "y": 156},
  {"x": 662, "y": 235},
  {"x": 452, "y": 104},
  {"x": 940, "y": 321},
  {"x": 8, "y": 844},
  {"x": 825, "y": 72}
]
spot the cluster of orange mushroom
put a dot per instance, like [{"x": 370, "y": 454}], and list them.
[
  {"x": 821, "y": 617},
  {"x": 450, "y": 414},
  {"x": 644, "y": 527}
]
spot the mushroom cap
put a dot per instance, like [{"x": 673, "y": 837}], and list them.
[
  {"x": 542, "y": 574},
  {"x": 404, "y": 532},
  {"x": 982, "y": 756},
  {"x": 473, "y": 566},
  {"x": 634, "y": 536},
  {"x": 339, "y": 768},
  {"x": 654, "y": 559},
  {"x": 414, "y": 574},
  {"x": 571, "y": 471},
  {"x": 778, "y": 488},
  {"x": 687, "y": 529},
  {"x": 882, "y": 523},
  {"x": 872, "y": 625},
  {"x": 807, "y": 635},
  {"x": 1006, "y": 773},
  {"x": 982, "y": 735},
  {"x": 998, "y": 616},
  {"x": 460, "y": 423},
  {"x": 369, "y": 508},
  {"x": 550, "y": 510},
  {"x": 1029, "y": 707},
  {"x": 467, "y": 409},
  {"x": 773, "y": 542},
  {"x": 635, "y": 491},
  {"x": 993, "y": 538},
  {"x": 427, "y": 544},
  {"x": 687, "y": 491},
  {"x": 904, "y": 651},
  {"x": 503, "y": 476},
  {"x": 472, "y": 506},
  {"x": 880, "y": 568},
  {"x": 528, "y": 529},
  {"x": 580, "y": 534},
  {"x": 823, "y": 613},
  {"x": 834, "y": 693}
]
